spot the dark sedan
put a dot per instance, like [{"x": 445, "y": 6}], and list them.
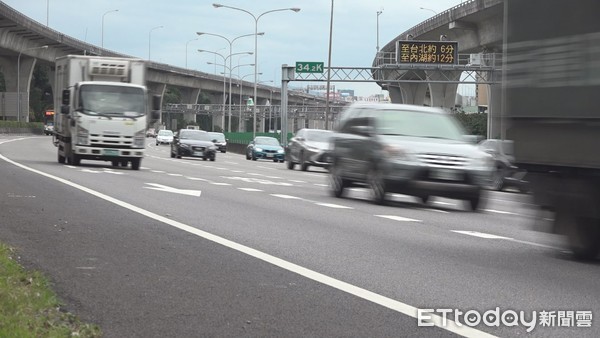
[
  {"x": 193, "y": 143},
  {"x": 265, "y": 147},
  {"x": 309, "y": 147},
  {"x": 219, "y": 140}
]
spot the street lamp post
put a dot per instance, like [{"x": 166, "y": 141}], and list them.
[
  {"x": 329, "y": 69},
  {"x": 378, "y": 14},
  {"x": 224, "y": 83},
  {"x": 241, "y": 90},
  {"x": 230, "y": 53},
  {"x": 19, "y": 79},
  {"x": 102, "y": 37},
  {"x": 256, "y": 18},
  {"x": 186, "y": 50},
  {"x": 270, "y": 105},
  {"x": 428, "y": 9},
  {"x": 150, "y": 39}
]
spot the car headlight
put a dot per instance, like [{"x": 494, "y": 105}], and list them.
[
  {"x": 184, "y": 145},
  {"x": 139, "y": 138},
  {"x": 280, "y": 151},
  {"x": 258, "y": 149},
  {"x": 82, "y": 135},
  {"x": 484, "y": 162},
  {"x": 397, "y": 153}
]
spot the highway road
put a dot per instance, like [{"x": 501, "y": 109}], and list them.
[{"x": 189, "y": 248}]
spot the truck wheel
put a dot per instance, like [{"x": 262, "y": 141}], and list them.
[
  {"x": 74, "y": 159},
  {"x": 124, "y": 163},
  {"x": 583, "y": 233},
  {"x": 114, "y": 163},
  {"x": 61, "y": 159},
  {"x": 135, "y": 163}
]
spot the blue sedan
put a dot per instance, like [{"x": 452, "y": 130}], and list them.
[{"x": 265, "y": 147}]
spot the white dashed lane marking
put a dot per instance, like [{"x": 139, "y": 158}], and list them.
[{"x": 398, "y": 218}]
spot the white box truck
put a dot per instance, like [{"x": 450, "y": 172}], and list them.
[{"x": 104, "y": 109}]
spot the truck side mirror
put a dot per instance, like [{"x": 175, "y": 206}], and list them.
[{"x": 66, "y": 97}]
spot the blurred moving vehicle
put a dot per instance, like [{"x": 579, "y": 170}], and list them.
[
  {"x": 413, "y": 150},
  {"x": 151, "y": 132},
  {"x": 193, "y": 143},
  {"x": 506, "y": 174},
  {"x": 309, "y": 147},
  {"x": 164, "y": 136},
  {"x": 219, "y": 140},
  {"x": 552, "y": 81},
  {"x": 49, "y": 128},
  {"x": 265, "y": 147}
]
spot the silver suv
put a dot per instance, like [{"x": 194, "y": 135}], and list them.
[{"x": 412, "y": 150}]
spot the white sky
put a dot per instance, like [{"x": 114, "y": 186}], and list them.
[{"x": 289, "y": 36}]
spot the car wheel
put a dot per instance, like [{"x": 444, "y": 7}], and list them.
[
  {"x": 424, "y": 199},
  {"x": 172, "y": 154},
  {"x": 61, "y": 159},
  {"x": 213, "y": 158},
  {"x": 290, "y": 163},
  {"x": 115, "y": 163},
  {"x": 377, "y": 186},
  {"x": 253, "y": 157},
  {"x": 475, "y": 202},
  {"x": 281, "y": 161},
  {"x": 247, "y": 155},
  {"x": 303, "y": 164},
  {"x": 336, "y": 183},
  {"x": 498, "y": 180}
]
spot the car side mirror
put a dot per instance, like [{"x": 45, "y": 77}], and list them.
[
  {"x": 214, "y": 141},
  {"x": 363, "y": 130}
]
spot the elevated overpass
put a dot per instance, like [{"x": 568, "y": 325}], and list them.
[
  {"x": 20, "y": 35},
  {"x": 477, "y": 26}
]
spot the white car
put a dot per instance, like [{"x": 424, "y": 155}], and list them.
[{"x": 164, "y": 136}]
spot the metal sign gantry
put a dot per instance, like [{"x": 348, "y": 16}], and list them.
[{"x": 481, "y": 69}]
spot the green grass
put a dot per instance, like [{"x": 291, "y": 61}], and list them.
[{"x": 29, "y": 307}]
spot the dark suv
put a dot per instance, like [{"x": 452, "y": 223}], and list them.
[{"x": 412, "y": 150}]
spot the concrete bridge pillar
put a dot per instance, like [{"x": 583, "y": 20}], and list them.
[
  {"x": 156, "y": 89},
  {"x": 443, "y": 95},
  {"x": 12, "y": 78}
]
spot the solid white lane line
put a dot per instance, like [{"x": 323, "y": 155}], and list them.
[
  {"x": 373, "y": 297},
  {"x": 398, "y": 218}
]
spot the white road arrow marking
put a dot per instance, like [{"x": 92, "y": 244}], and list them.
[{"x": 161, "y": 187}]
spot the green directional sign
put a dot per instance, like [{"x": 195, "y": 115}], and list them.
[{"x": 309, "y": 67}]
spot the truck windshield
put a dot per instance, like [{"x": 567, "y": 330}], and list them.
[{"x": 107, "y": 100}]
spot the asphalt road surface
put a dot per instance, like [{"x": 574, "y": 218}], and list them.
[{"x": 189, "y": 248}]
